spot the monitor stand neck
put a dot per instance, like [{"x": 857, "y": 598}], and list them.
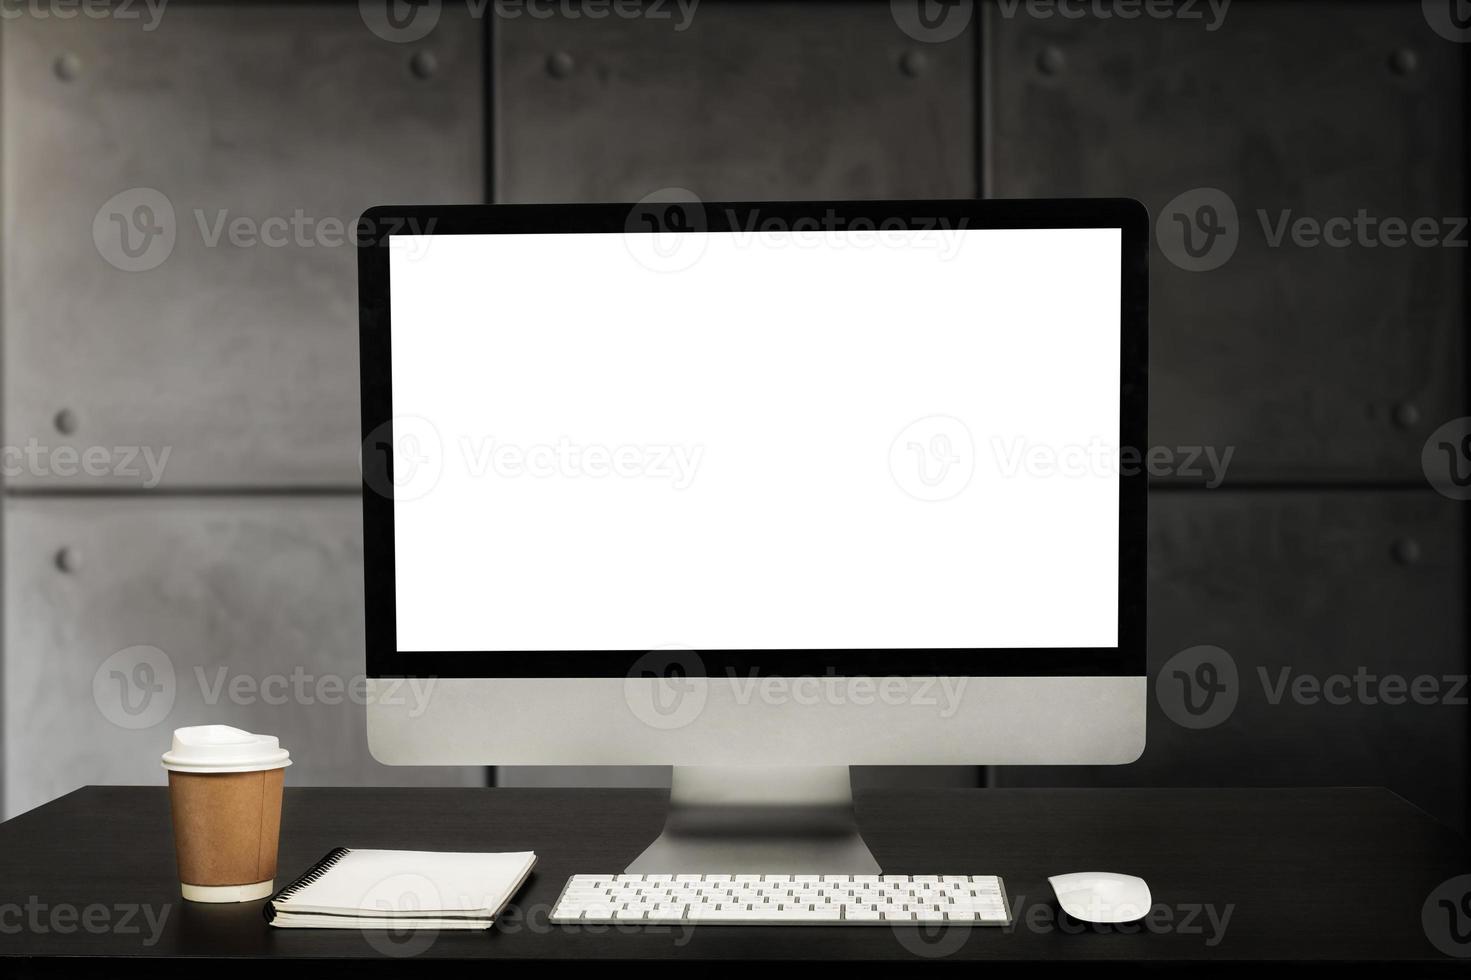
[{"x": 755, "y": 820}]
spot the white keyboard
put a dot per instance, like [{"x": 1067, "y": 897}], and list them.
[{"x": 773, "y": 900}]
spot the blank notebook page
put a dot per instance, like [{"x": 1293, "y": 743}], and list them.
[{"x": 408, "y": 883}]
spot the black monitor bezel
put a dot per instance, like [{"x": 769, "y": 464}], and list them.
[{"x": 384, "y": 659}]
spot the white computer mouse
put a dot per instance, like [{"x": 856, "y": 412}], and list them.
[{"x": 1102, "y": 896}]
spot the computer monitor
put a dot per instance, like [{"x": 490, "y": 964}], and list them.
[{"x": 759, "y": 490}]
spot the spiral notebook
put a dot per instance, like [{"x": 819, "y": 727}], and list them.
[{"x": 368, "y": 889}]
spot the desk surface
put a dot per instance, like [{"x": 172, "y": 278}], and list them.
[{"x": 1312, "y": 876}]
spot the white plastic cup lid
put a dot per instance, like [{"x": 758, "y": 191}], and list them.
[{"x": 220, "y": 748}]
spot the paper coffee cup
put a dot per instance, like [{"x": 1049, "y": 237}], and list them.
[{"x": 225, "y": 793}]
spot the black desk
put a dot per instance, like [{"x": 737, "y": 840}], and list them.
[{"x": 1306, "y": 876}]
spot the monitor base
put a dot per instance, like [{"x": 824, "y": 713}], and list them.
[{"x": 758, "y": 820}]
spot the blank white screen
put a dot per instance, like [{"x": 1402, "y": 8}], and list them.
[{"x": 784, "y": 369}]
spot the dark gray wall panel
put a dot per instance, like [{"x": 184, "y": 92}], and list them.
[
  {"x": 239, "y": 358},
  {"x": 1314, "y": 363},
  {"x": 1322, "y": 584},
  {"x": 268, "y": 590},
  {"x": 753, "y": 100}
]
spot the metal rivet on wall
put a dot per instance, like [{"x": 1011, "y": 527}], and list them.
[
  {"x": 424, "y": 64},
  {"x": 913, "y": 63},
  {"x": 68, "y": 560},
  {"x": 1406, "y": 415},
  {"x": 1051, "y": 60},
  {"x": 67, "y": 66},
  {"x": 560, "y": 64},
  {"x": 65, "y": 421},
  {"x": 1407, "y": 551},
  {"x": 1404, "y": 61}
]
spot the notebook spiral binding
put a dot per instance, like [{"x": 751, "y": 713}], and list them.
[{"x": 312, "y": 874}]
